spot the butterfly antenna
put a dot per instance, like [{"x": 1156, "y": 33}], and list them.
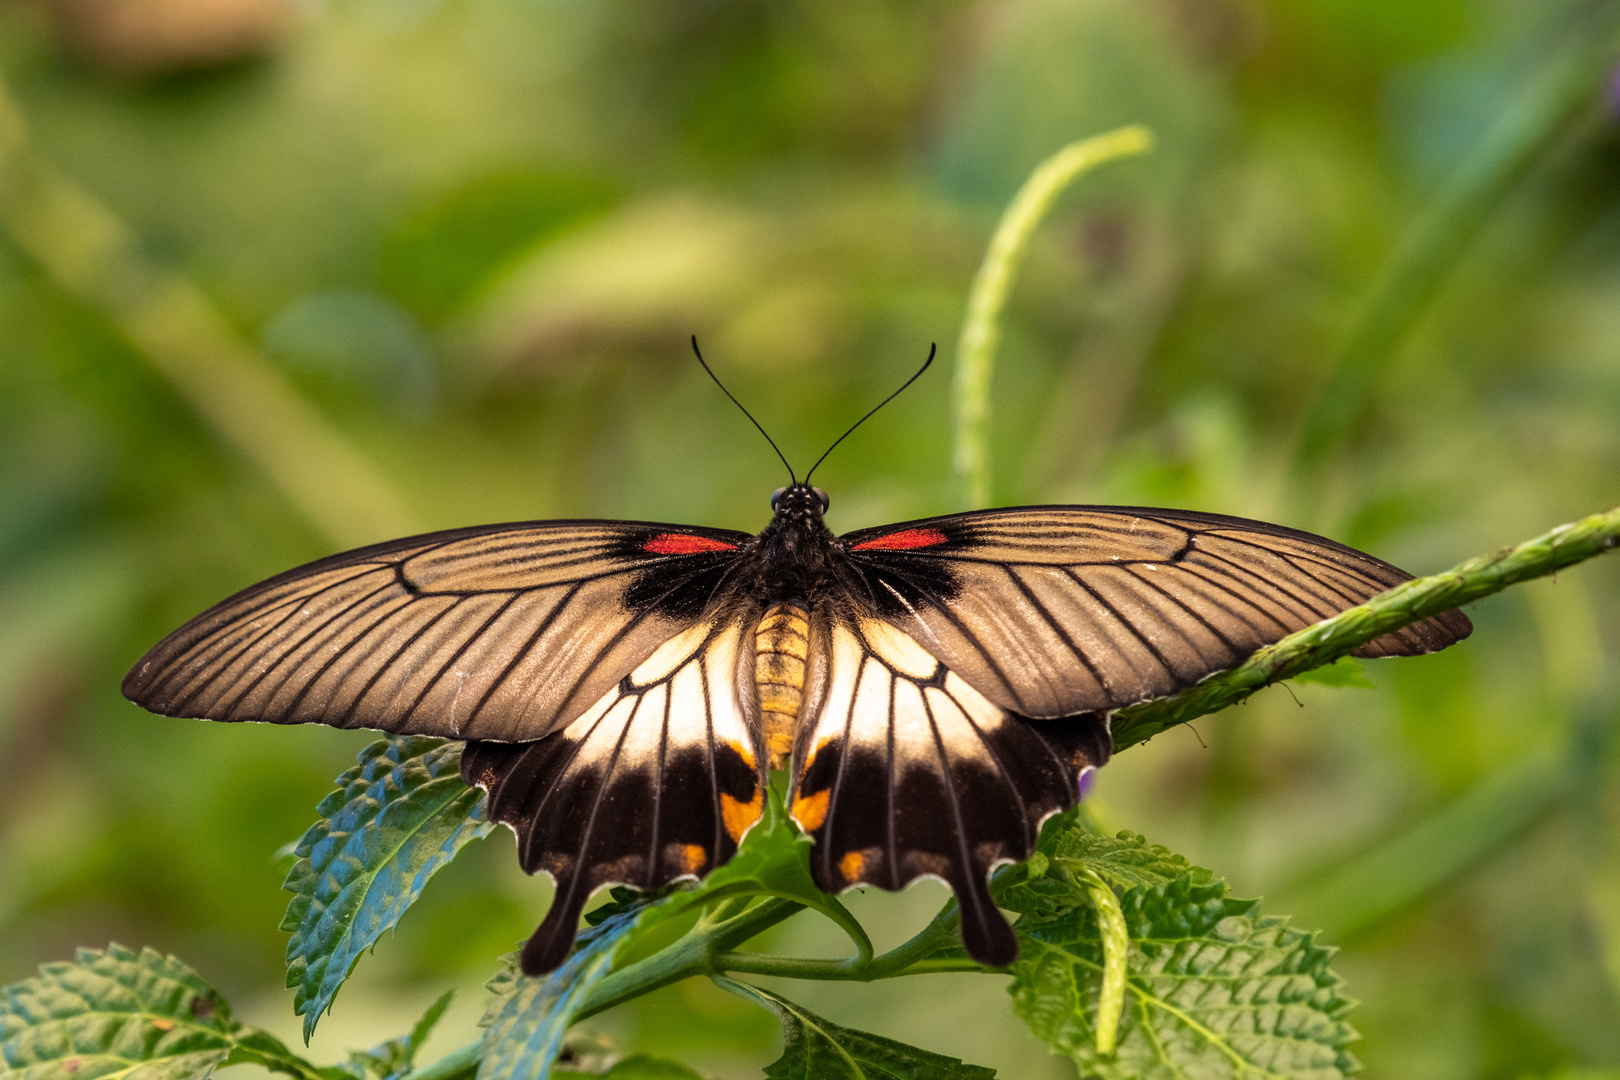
[
  {"x": 748, "y": 414},
  {"x": 931, "y": 350}
]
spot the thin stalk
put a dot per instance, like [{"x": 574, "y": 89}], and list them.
[
  {"x": 981, "y": 326},
  {"x": 693, "y": 954},
  {"x": 1116, "y": 947},
  {"x": 834, "y": 909},
  {"x": 904, "y": 959},
  {"x": 1403, "y": 605}
]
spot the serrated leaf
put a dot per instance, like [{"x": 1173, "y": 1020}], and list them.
[
  {"x": 395, "y": 819},
  {"x": 1215, "y": 990},
  {"x": 817, "y": 1049},
  {"x": 1123, "y": 861},
  {"x": 119, "y": 1013},
  {"x": 1344, "y": 671},
  {"x": 527, "y": 1022},
  {"x": 114, "y": 1013}
]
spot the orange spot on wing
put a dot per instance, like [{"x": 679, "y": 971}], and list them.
[
  {"x": 852, "y": 866},
  {"x": 810, "y": 758},
  {"x": 743, "y": 752},
  {"x": 693, "y": 858},
  {"x": 904, "y": 540},
  {"x": 684, "y": 544},
  {"x": 811, "y": 810},
  {"x": 738, "y": 816}
]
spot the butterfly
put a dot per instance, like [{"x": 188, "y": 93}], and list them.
[{"x": 935, "y": 688}]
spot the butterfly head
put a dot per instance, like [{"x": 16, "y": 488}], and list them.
[{"x": 799, "y": 502}]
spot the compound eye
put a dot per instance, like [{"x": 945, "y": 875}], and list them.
[
  {"x": 775, "y": 496},
  {"x": 822, "y": 495}
]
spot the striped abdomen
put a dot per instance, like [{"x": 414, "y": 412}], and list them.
[{"x": 781, "y": 645}]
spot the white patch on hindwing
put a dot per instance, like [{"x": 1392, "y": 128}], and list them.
[
  {"x": 694, "y": 673},
  {"x": 891, "y": 681}
]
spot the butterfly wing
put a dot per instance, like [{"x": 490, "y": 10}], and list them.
[
  {"x": 658, "y": 780},
  {"x": 499, "y": 632},
  {"x": 906, "y": 771},
  {"x": 1055, "y": 610}
]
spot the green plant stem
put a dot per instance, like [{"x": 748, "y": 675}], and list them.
[
  {"x": 905, "y": 959},
  {"x": 707, "y": 950},
  {"x": 1116, "y": 947},
  {"x": 834, "y": 909},
  {"x": 1433, "y": 244},
  {"x": 981, "y": 326},
  {"x": 93, "y": 255},
  {"x": 692, "y": 955},
  {"x": 1401, "y": 606}
]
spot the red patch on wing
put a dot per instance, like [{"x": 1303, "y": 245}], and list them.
[
  {"x": 684, "y": 544},
  {"x": 904, "y": 540}
]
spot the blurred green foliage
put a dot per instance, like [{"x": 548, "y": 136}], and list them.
[{"x": 472, "y": 237}]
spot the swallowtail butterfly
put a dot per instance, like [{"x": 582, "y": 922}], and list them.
[{"x": 936, "y": 688}]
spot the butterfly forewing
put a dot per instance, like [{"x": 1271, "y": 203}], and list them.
[
  {"x": 1058, "y": 610},
  {"x": 659, "y": 780},
  {"x": 501, "y": 632},
  {"x": 903, "y": 770}
]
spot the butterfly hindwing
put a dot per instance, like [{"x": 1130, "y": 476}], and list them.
[
  {"x": 504, "y": 631},
  {"x": 1056, "y": 610},
  {"x": 903, "y": 770},
  {"x": 658, "y": 780}
]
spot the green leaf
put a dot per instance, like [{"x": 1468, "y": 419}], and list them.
[
  {"x": 394, "y": 820},
  {"x": 1214, "y": 988},
  {"x": 817, "y": 1049},
  {"x": 1345, "y": 671},
  {"x": 396, "y": 1057},
  {"x": 526, "y": 1023},
  {"x": 1124, "y": 861},
  {"x": 114, "y": 1013},
  {"x": 119, "y": 1013}
]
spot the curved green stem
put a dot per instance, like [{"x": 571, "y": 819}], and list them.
[
  {"x": 834, "y": 909},
  {"x": 981, "y": 326},
  {"x": 1116, "y": 946},
  {"x": 907, "y": 959}
]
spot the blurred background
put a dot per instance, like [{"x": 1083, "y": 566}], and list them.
[{"x": 279, "y": 278}]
